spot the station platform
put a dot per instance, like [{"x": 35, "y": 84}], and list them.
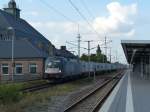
[{"x": 132, "y": 94}]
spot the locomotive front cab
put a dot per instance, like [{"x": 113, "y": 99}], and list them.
[{"x": 53, "y": 67}]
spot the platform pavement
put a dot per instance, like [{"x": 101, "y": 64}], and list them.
[{"x": 132, "y": 94}]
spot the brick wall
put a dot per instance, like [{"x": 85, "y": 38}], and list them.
[{"x": 25, "y": 63}]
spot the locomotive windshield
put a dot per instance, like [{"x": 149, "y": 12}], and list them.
[{"x": 54, "y": 64}]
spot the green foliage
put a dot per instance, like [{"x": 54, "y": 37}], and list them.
[
  {"x": 84, "y": 57},
  {"x": 98, "y": 57},
  {"x": 10, "y": 93},
  {"x": 93, "y": 57}
]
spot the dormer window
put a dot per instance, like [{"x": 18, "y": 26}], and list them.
[
  {"x": 4, "y": 37},
  {"x": 1, "y": 37}
]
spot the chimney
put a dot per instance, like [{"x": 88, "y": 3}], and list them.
[
  {"x": 63, "y": 47},
  {"x": 12, "y": 9}
]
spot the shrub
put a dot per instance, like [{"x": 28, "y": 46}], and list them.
[{"x": 10, "y": 93}]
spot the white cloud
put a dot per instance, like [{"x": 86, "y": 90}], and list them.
[
  {"x": 57, "y": 32},
  {"x": 119, "y": 22}
]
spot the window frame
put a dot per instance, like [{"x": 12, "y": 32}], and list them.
[
  {"x": 31, "y": 65},
  {"x": 2, "y": 68},
  {"x": 16, "y": 69}
]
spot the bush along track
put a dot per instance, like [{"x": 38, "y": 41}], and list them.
[{"x": 10, "y": 93}]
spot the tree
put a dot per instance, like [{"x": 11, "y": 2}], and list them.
[
  {"x": 98, "y": 57},
  {"x": 93, "y": 57},
  {"x": 84, "y": 57}
]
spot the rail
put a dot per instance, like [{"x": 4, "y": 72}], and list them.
[{"x": 103, "y": 91}]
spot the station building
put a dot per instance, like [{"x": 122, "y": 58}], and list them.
[
  {"x": 28, "y": 62},
  {"x": 23, "y": 49}
]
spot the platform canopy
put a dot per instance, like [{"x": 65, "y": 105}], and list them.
[{"x": 136, "y": 50}]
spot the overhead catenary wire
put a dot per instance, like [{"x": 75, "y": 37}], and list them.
[
  {"x": 87, "y": 9},
  {"x": 68, "y": 18},
  {"x": 75, "y": 45},
  {"x": 84, "y": 18},
  {"x": 57, "y": 11},
  {"x": 60, "y": 13},
  {"x": 50, "y": 7}
]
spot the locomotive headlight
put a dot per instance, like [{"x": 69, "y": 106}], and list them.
[{"x": 59, "y": 71}]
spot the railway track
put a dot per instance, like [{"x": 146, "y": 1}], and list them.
[
  {"x": 40, "y": 87},
  {"x": 92, "y": 100},
  {"x": 37, "y": 88}
]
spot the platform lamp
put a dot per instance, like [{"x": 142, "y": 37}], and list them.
[{"x": 12, "y": 49}]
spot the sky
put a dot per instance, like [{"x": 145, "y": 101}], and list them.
[{"x": 117, "y": 20}]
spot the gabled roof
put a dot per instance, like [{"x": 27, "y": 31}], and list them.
[
  {"x": 23, "y": 30},
  {"x": 22, "y": 49},
  {"x": 21, "y": 27}
]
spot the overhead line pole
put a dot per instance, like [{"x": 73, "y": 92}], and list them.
[
  {"x": 89, "y": 48},
  {"x": 79, "y": 40},
  {"x": 116, "y": 56},
  {"x": 110, "y": 54},
  {"x": 89, "y": 56},
  {"x": 105, "y": 49}
]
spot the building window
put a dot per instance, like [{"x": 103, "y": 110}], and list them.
[
  {"x": 5, "y": 69},
  {"x": 33, "y": 68},
  {"x": 1, "y": 36},
  {"x": 18, "y": 68}
]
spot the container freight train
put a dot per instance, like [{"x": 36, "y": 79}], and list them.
[{"x": 63, "y": 68}]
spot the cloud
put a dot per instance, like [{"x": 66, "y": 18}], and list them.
[
  {"x": 57, "y": 32},
  {"x": 119, "y": 22}
]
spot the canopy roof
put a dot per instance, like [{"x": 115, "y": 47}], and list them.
[{"x": 136, "y": 49}]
